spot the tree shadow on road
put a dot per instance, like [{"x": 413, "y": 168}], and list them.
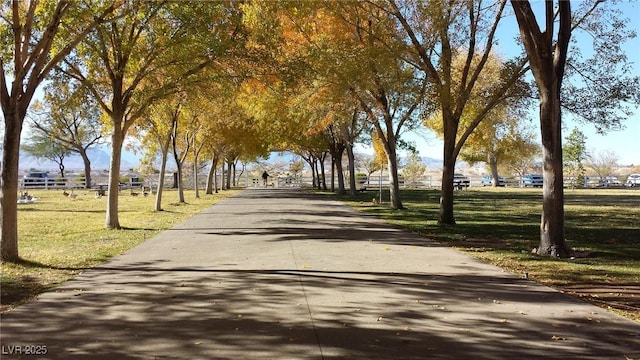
[{"x": 150, "y": 309}]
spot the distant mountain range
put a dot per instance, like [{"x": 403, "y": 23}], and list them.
[
  {"x": 431, "y": 162},
  {"x": 100, "y": 159}
]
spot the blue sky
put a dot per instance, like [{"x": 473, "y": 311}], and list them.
[{"x": 624, "y": 143}]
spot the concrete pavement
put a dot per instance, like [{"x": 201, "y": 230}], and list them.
[{"x": 284, "y": 274}]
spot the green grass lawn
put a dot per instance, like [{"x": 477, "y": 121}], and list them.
[
  {"x": 502, "y": 226},
  {"x": 60, "y": 236}
]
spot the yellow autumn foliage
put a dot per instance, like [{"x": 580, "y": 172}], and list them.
[{"x": 488, "y": 80}]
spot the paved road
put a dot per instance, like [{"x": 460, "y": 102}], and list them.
[{"x": 283, "y": 274}]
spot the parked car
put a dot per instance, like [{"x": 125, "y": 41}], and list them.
[
  {"x": 37, "y": 178},
  {"x": 609, "y": 181},
  {"x": 533, "y": 180},
  {"x": 460, "y": 181},
  {"x": 487, "y": 180},
  {"x": 633, "y": 180}
]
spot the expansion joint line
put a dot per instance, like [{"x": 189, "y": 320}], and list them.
[{"x": 306, "y": 300}]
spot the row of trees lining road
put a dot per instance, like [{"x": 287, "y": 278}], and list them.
[
  {"x": 221, "y": 82},
  {"x": 140, "y": 58}
]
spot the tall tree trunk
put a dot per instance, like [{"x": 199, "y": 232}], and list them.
[
  {"x": 493, "y": 165},
  {"x": 312, "y": 165},
  {"x": 333, "y": 173},
  {"x": 229, "y": 169},
  {"x": 448, "y": 170},
  {"x": 163, "y": 169},
  {"x": 196, "y": 188},
  {"x": 340, "y": 172},
  {"x": 241, "y": 173},
  {"x": 87, "y": 168},
  {"x": 316, "y": 179},
  {"x": 211, "y": 176},
  {"x": 233, "y": 173},
  {"x": 352, "y": 170},
  {"x": 389, "y": 142},
  {"x": 323, "y": 177},
  {"x": 548, "y": 59},
  {"x": 552, "y": 241},
  {"x": 215, "y": 179},
  {"x": 179, "y": 179},
  {"x": 117, "y": 139},
  {"x": 311, "y": 160},
  {"x": 180, "y": 184},
  {"x": 196, "y": 153},
  {"x": 394, "y": 181},
  {"x": 9, "y": 196},
  {"x": 222, "y": 176},
  {"x": 61, "y": 167}
]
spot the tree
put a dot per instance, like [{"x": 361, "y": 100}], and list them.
[
  {"x": 72, "y": 120},
  {"x": 296, "y": 167},
  {"x": 342, "y": 123},
  {"x": 603, "y": 163},
  {"x": 392, "y": 94},
  {"x": 389, "y": 111},
  {"x": 606, "y": 76},
  {"x": 371, "y": 164},
  {"x": 112, "y": 63},
  {"x": 239, "y": 138},
  {"x": 328, "y": 38},
  {"x": 529, "y": 162},
  {"x": 194, "y": 136},
  {"x": 574, "y": 154},
  {"x": 500, "y": 141},
  {"x": 602, "y": 89},
  {"x": 452, "y": 44},
  {"x": 338, "y": 118},
  {"x": 337, "y": 147},
  {"x": 379, "y": 160},
  {"x": 158, "y": 127},
  {"x": 217, "y": 145},
  {"x": 351, "y": 132},
  {"x": 499, "y": 133},
  {"x": 188, "y": 138},
  {"x": 35, "y": 37},
  {"x": 522, "y": 151},
  {"x": 40, "y": 146},
  {"x": 548, "y": 60},
  {"x": 414, "y": 169},
  {"x": 181, "y": 143}
]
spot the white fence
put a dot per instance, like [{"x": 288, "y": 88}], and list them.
[{"x": 245, "y": 179}]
